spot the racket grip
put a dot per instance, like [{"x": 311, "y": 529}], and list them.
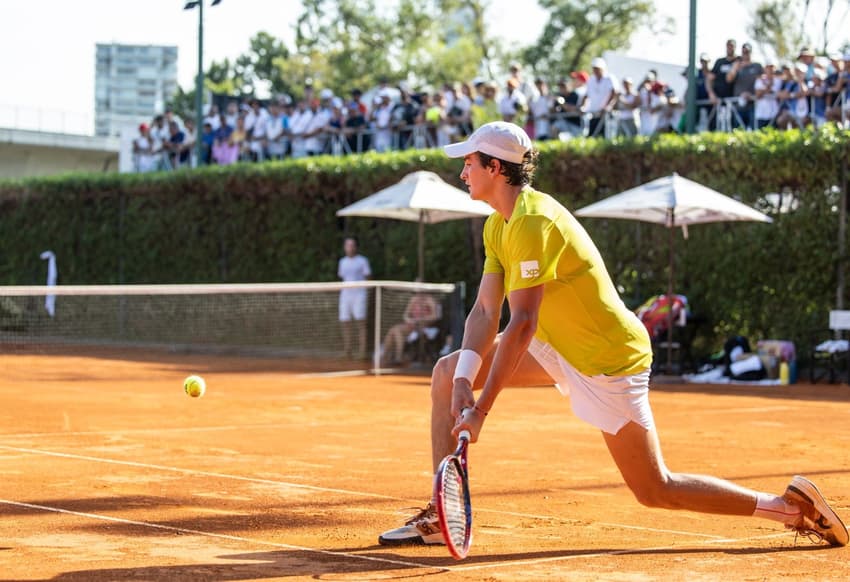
[{"x": 464, "y": 435}]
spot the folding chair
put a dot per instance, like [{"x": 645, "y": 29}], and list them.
[{"x": 831, "y": 349}]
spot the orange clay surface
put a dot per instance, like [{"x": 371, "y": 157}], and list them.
[{"x": 109, "y": 472}]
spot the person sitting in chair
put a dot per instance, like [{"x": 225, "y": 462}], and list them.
[{"x": 420, "y": 316}]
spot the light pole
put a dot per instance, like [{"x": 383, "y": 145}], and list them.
[
  {"x": 691, "y": 105},
  {"x": 199, "y": 80}
]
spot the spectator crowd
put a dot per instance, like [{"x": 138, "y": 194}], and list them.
[{"x": 733, "y": 92}]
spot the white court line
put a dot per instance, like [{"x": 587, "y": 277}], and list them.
[
  {"x": 194, "y": 472},
  {"x": 139, "y": 431},
  {"x": 362, "y": 557},
  {"x": 349, "y": 373},
  {"x": 323, "y": 489},
  {"x": 603, "y": 554},
  {"x": 342, "y": 374},
  {"x": 751, "y": 410},
  {"x": 183, "y": 530}
]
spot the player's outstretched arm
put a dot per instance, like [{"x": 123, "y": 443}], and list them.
[
  {"x": 525, "y": 307},
  {"x": 482, "y": 326}
]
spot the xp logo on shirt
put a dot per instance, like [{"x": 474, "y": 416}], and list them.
[{"x": 529, "y": 269}]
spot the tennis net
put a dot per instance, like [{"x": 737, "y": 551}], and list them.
[{"x": 274, "y": 319}]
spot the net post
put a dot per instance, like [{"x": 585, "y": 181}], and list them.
[{"x": 376, "y": 354}]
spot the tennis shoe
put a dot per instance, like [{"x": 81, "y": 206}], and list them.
[
  {"x": 421, "y": 529},
  {"x": 818, "y": 521}
]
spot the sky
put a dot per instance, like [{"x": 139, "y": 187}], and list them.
[{"x": 48, "y": 46}]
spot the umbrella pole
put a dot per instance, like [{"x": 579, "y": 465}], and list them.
[
  {"x": 671, "y": 228},
  {"x": 421, "y": 251}
]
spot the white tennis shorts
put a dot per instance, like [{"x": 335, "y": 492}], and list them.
[
  {"x": 352, "y": 304},
  {"x": 606, "y": 402}
]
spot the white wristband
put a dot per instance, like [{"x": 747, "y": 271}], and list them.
[{"x": 468, "y": 364}]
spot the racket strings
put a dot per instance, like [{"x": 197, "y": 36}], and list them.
[{"x": 453, "y": 505}]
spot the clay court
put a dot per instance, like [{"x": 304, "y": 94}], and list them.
[{"x": 109, "y": 472}]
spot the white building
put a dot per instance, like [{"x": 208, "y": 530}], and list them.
[{"x": 132, "y": 84}]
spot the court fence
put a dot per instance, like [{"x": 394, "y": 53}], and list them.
[{"x": 281, "y": 320}]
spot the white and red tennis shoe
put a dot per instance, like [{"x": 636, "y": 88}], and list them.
[
  {"x": 818, "y": 519},
  {"x": 421, "y": 529}
]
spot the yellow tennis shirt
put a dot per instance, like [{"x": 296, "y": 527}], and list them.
[{"x": 582, "y": 315}]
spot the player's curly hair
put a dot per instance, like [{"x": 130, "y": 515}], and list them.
[{"x": 517, "y": 174}]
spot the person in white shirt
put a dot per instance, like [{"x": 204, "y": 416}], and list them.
[
  {"x": 627, "y": 103},
  {"x": 231, "y": 113},
  {"x": 144, "y": 159},
  {"x": 273, "y": 142},
  {"x": 512, "y": 106},
  {"x": 315, "y": 133},
  {"x": 600, "y": 97},
  {"x": 212, "y": 117},
  {"x": 259, "y": 127},
  {"x": 767, "y": 103},
  {"x": 541, "y": 111},
  {"x": 352, "y": 301},
  {"x": 382, "y": 119},
  {"x": 297, "y": 126},
  {"x": 528, "y": 90}
]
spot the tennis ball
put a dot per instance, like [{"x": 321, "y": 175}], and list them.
[{"x": 194, "y": 386}]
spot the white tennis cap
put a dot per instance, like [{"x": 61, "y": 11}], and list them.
[{"x": 500, "y": 139}]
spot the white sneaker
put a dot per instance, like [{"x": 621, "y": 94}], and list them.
[
  {"x": 423, "y": 528},
  {"x": 818, "y": 518}
]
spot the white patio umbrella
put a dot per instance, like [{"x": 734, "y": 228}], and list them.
[
  {"x": 421, "y": 197},
  {"x": 672, "y": 201}
]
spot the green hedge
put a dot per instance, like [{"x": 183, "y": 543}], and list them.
[{"x": 276, "y": 222}]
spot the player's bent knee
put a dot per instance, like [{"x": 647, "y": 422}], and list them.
[
  {"x": 656, "y": 493},
  {"x": 441, "y": 376}
]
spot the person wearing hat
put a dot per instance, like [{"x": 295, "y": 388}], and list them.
[
  {"x": 144, "y": 159},
  {"x": 743, "y": 75},
  {"x": 512, "y": 105},
  {"x": 523, "y": 85},
  {"x": 381, "y": 121},
  {"x": 706, "y": 98},
  {"x": 793, "y": 105},
  {"x": 807, "y": 58},
  {"x": 569, "y": 328},
  {"x": 601, "y": 96},
  {"x": 567, "y": 102},
  {"x": 488, "y": 109}
]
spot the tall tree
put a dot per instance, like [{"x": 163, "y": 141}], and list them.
[
  {"x": 783, "y": 26},
  {"x": 443, "y": 40},
  {"x": 260, "y": 64},
  {"x": 578, "y": 30},
  {"x": 345, "y": 42},
  {"x": 777, "y": 27}
]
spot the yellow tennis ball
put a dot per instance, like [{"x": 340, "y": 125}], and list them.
[{"x": 194, "y": 386}]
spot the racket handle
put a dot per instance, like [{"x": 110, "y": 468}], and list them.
[{"x": 464, "y": 435}]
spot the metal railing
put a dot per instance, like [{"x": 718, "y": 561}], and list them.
[
  {"x": 722, "y": 116},
  {"x": 46, "y": 120}
]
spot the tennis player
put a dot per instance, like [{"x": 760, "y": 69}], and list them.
[{"x": 569, "y": 327}]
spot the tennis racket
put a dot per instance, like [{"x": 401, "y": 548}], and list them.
[{"x": 454, "y": 507}]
